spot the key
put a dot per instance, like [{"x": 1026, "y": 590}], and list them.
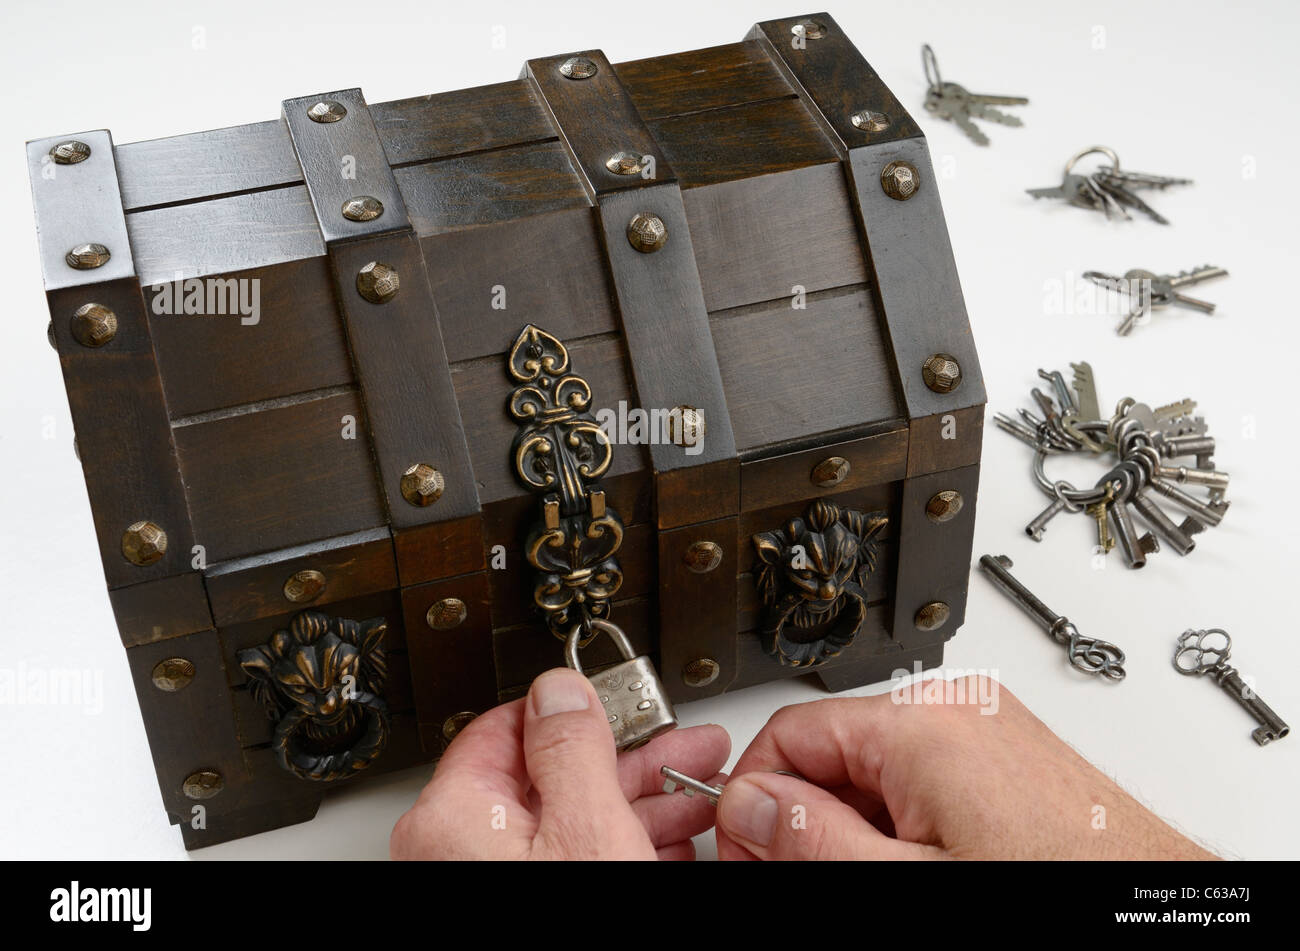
[
  {"x": 1199, "y": 653},
  {"x": 959, "y": 105},
  {"x": 1164, "y": 287},
  {"x": 1036, "y": 528},
  {"x": 1211, "y": 514},
  {"x": 1019, "y": 430},
  {"x": 1189, "y": 445},
  {"x": 673, "y": 780},
  {"x": 1090, "y": 655},
  {"x": 1075, "y": 189},
  {"x": 1179, "y": 537},
  {"x": 1129, "y": 179},
  {"x": 1099, "y": 512},
  {"x": 1120, "y": 184},
  {"x": 1063, "y": 394},
  {"x": 1135, "y": 549},
  {"x": 1181, "y": 474},
  {"x": 1177, "y": 410},
  {"x": 1085, "y": 389}
]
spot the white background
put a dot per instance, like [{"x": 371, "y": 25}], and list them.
[{"x": 1202, "y": 90}]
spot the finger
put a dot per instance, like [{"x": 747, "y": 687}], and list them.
[
  {"x": 569, "y": 754},
  {"x": 695, "y": 751},
  {"x": 677, "y": 852},
  {"x": 783, "y": 818},
  {"x": 840, "y": 742},
  {"x": 475, "y": 804},
  {"x": 670, "y": 817}
]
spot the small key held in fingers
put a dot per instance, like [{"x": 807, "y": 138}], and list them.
[{"x": 674, "y": 780}]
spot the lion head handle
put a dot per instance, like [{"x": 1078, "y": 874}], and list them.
[
  {"x": 809, "y": 572},
  {"x": 321, "y": 681}
]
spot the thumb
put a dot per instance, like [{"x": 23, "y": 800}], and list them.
[
  {"x": 570, "y": 758},
  {"x": 783, "y": 818}
]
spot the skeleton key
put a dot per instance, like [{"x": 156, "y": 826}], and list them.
[
  {"x": 1100, "y": 512},
  {"x": 1063, "y": 394},
  {"x": 1206, "y": 652},
  {"x": 674, "y": 780},
  {"x": 1090, "y": 655}
]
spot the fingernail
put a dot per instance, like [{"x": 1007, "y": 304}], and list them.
[
  {"x": 559, "y": 691},
  {"x": 747, "y": 812}
]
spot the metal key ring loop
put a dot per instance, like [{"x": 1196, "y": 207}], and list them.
[
  {"x": 1093, "y": 150},
  {"x": 930, "y": 64},
  {"x": 1061, "y": 489}
]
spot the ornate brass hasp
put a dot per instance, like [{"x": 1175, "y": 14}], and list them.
[{"x": 561, "y": 452}]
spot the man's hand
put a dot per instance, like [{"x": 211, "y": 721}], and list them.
[
  {"x": 929, "y": 781},
  {"x": 538, "y": 779}
]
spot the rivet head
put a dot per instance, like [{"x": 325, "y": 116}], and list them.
[
  {"x": 686, "y": 426},
  {"x": 943, "y": 506},
  {"x": 625, "y": 163},
  {"x": 703, "y": 557},
  {"x": 327, "y": 110},
  {"x": 303, "y": 586},
  {"x": 701, "y": 672},
  {"x": 422, "y": 484},
  {"x": 646, "y": 232},
  {"x": 94, "y": 325},
  {"x": 446, "y": 614},
  {"x": 578, "y": 67},
  {"x": 455, "y": 723},
  {"x": 203, "y": 784},
  {"x": 87, "y": 257},
  {"x": 809, "y": 29},
  {"x": 900, "y": 180},
  {"x": 932, "y": 616},
  {"x": 49, "y": 335},
  {"x": 172, "y": 674},
  {"x": 869, "y": 121},
  {"x": 70, "y": 152},
  {"x": 363, "y": 208},
  {"x": 941, "y": 372},
  {"x": 377, "y": 282},
  {"x": 144, "y": 543},
  {"x": 831, "y": 471}
]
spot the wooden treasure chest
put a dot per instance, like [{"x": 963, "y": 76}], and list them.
[{"x": 383, "y": 406}]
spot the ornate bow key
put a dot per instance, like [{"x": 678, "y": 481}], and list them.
[
  {"x": 1206, "y": 652},
  {"x": 1090, "y": 655}
]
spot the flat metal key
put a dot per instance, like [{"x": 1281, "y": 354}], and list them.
[
  {"x": 1151, "y": 291},
  {"x": 1206, "y": 652},
  {"x": 1100, "y": 512},
  {"x": 1085, "y": 390},
  {"x": 947, "y": 100},
  {"x": 1088, "y": 654},
  {"x": 674, "y": 780}
]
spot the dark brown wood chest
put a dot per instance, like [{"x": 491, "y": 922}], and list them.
[{"x": 373, "y": 401}]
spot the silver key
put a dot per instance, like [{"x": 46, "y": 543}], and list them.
[
  {"x": 674, "y": 780},
  {"x": 1085, "y": 389},
  {"x": 946, "y": 100},
  {"x": 1090, "y": 655},
  {"x": 1206, "y": 652},
  {"x": 1109, "y": 190}
]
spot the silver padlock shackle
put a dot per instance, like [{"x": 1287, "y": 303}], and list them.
[{"x": 615, "y": 633}]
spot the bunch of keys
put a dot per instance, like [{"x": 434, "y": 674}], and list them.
[
  {"x": 1088, "y": 654},
  {"x": 1108, "y": 190},
  {"x": 1206, "y": 652},
  {"x": 956, "y": 103},
  {"x": 1150, "y": 291}
]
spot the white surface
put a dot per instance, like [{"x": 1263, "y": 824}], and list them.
[{"x": 1200, "y": 90}]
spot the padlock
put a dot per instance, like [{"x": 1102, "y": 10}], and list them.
[{"x": 635, "y": 704}]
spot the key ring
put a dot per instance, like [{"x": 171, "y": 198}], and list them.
[
  {"x": 1093, "y": 150},
  {"x": 930, "y": 65},
  {"x": 1191, "y": 644},
  {"x": 1061, "y": 489}
]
